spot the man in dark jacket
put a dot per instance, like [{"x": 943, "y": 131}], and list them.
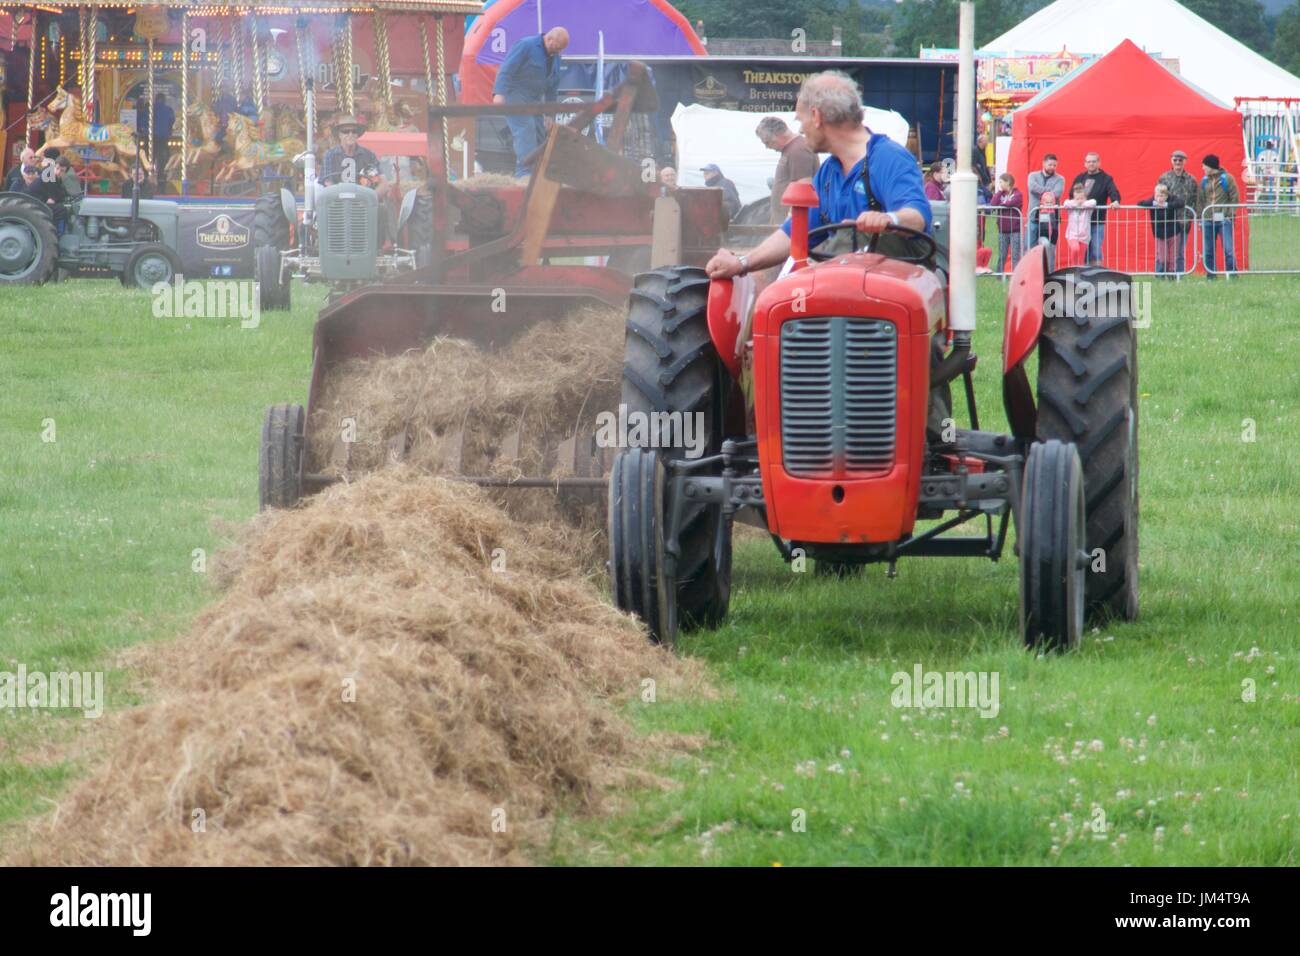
[
  {"x": 530, "y": 74},
  {"x": 1098, "y": 185},
  {"x": 714, "y": 179}
]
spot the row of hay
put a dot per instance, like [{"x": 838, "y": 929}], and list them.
[{"x": 391, "y": 671}]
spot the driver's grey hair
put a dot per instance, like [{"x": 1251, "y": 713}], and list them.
[{"x": 835, "y": 95}]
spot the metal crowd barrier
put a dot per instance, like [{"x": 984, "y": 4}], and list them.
[
  {"x": 990, "y": 234},
  {"x": 1124, "y": 238},
  {"x": 1265, "y": 237}
]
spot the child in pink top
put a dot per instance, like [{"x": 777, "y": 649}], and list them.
[{"x": 1078, "y": 227}]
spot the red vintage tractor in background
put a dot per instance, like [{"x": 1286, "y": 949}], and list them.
[{"x": 827, "y": 411}]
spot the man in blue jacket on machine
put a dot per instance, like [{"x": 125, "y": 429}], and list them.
[{"x": 530, "y": 74}]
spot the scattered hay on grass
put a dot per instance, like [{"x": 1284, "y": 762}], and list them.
[{"x": 369, "y": 690}]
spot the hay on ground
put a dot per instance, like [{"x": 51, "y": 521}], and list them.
[{"x": 480, "y": 696}]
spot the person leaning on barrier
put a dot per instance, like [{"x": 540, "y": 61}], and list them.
[
  {"x": 1045, "y": 180},
  {"x": 1218, "y": 189},
  {"x": 1099, "y": 185},
  {"x": 1012, "y": 203},
  {"x": 1166, "y": 226}
]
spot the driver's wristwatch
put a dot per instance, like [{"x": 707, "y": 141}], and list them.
[
  {"x": 893, "y": 217},
  {"x": 744, "y": 264}
]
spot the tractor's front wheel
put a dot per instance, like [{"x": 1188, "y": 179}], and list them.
[
  {"x": 639, "y": 571},
  {"x": 150, "y": 264},
  {"x": 1088, "y": 395},
  {"x": 279, "y": 465},
  {"x": 674, "y": 381},
  {"x": 1050, "y": 533}
]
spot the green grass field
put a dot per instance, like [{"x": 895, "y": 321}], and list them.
[{"x": 157, "y": 422}]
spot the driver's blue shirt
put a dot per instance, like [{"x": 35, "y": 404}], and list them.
[{"x": 895, "y": 181}]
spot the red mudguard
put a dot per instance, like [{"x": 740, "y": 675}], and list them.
[{"x": 1020, "y": 334}]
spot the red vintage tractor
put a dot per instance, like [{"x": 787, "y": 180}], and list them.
[{"x": 827, "y": 416}]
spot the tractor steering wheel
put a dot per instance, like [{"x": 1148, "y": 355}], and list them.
[{"x": 931, "y": 250}]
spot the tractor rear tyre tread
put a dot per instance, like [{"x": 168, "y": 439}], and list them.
[
  {"x": 1050, "y": 533},
  {"x": 671, "y": 365},
  {"x": 279, "y": 471},
  {"x": 39, "y": 225},
  {"x": 1087, "y": 394},
  {"x": 270, "y": 228},
  {"x": 273, "y": 288}
]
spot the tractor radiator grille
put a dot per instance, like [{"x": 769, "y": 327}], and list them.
[
  {"x": 839, "y": 380},
  {"x": 345, "y": 229}
]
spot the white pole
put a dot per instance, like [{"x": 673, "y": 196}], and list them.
[
  {"x": 539, "y": 16},
  {"x": 963, "y": 216}
]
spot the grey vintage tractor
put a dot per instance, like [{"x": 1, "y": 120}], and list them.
[{"x": 136, "y": 241}]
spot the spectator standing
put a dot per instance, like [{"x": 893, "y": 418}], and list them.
[
  {"x": 1046, "y": 180},
  {"x": 1181, "y": 185},
  {"x": 1078, "y": 226},
  {"x": 137, "y": 179},
  {"x": 1166, "y": 226},
  {"x": 714, "y": 179},
  {"x": 530, "y": 74},
  {"x": 164, "y": 120},
  {"x": 936, "y": 178},
  {"x": 1049, "y": 227},
  {"x": 1217, "y": 189},
  {"x": 1098, "y": 185},
  {"x": 1011, "y": 203},
  {"x": 668, "y": 176},
  {"x": 797, "y": 162},
  {"x": 980, "y": 166}
]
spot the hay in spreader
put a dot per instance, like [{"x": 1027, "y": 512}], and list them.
[{"x": 397, "y": 673}]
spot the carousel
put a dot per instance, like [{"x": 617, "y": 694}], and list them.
[{"x": 211, "y": 101}]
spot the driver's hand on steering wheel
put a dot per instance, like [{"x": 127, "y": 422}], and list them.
[{"x": 874, "y": 222}]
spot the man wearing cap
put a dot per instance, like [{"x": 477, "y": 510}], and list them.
[
  {"x": 891, "y": 193},
  {"x": 349, "y": 161},
  {"x": 530, "y": 74},
  {"x": 714, "y": 179},
  {"x": 1218, "y": 188},
  {"x": 1183, "y": 185}
]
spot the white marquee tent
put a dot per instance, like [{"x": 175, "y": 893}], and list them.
[{"x": 1208, "y": 57}]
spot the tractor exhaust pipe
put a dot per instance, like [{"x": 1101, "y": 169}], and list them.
[{"x": 964, "y": 214}]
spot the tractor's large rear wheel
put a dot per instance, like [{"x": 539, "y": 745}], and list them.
[
  {"x": 273, "y": 286},
  {"x": 1087, "y": 394},
  {"x": 29, "y": 244},
  {"x": 670, "y": 365},
  {"x": 1050, "y": 534},
  {"x": 639, "y": 574},
  {"x": 279, "y": 465}
]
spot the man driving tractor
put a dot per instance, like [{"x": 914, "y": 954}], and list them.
[{"x": 829, "y": 110}]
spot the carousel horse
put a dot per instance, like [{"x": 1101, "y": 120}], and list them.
[
  {"x": 203, "y": 153},
  {"x": 252, "y": 152},
  {"x": 41, "y": 119},
  {"x": 71, "y": 128}
]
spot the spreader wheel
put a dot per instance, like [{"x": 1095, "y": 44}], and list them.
[
  {"x": 1051, "y": 536},
  {"x": 670, "y": 365},
  {"x": 272, "y": 284},
  {"x": 279, "y": 465},
  {"x": 1088, "y": 394},
  {"x": 638, "y": 574}
]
